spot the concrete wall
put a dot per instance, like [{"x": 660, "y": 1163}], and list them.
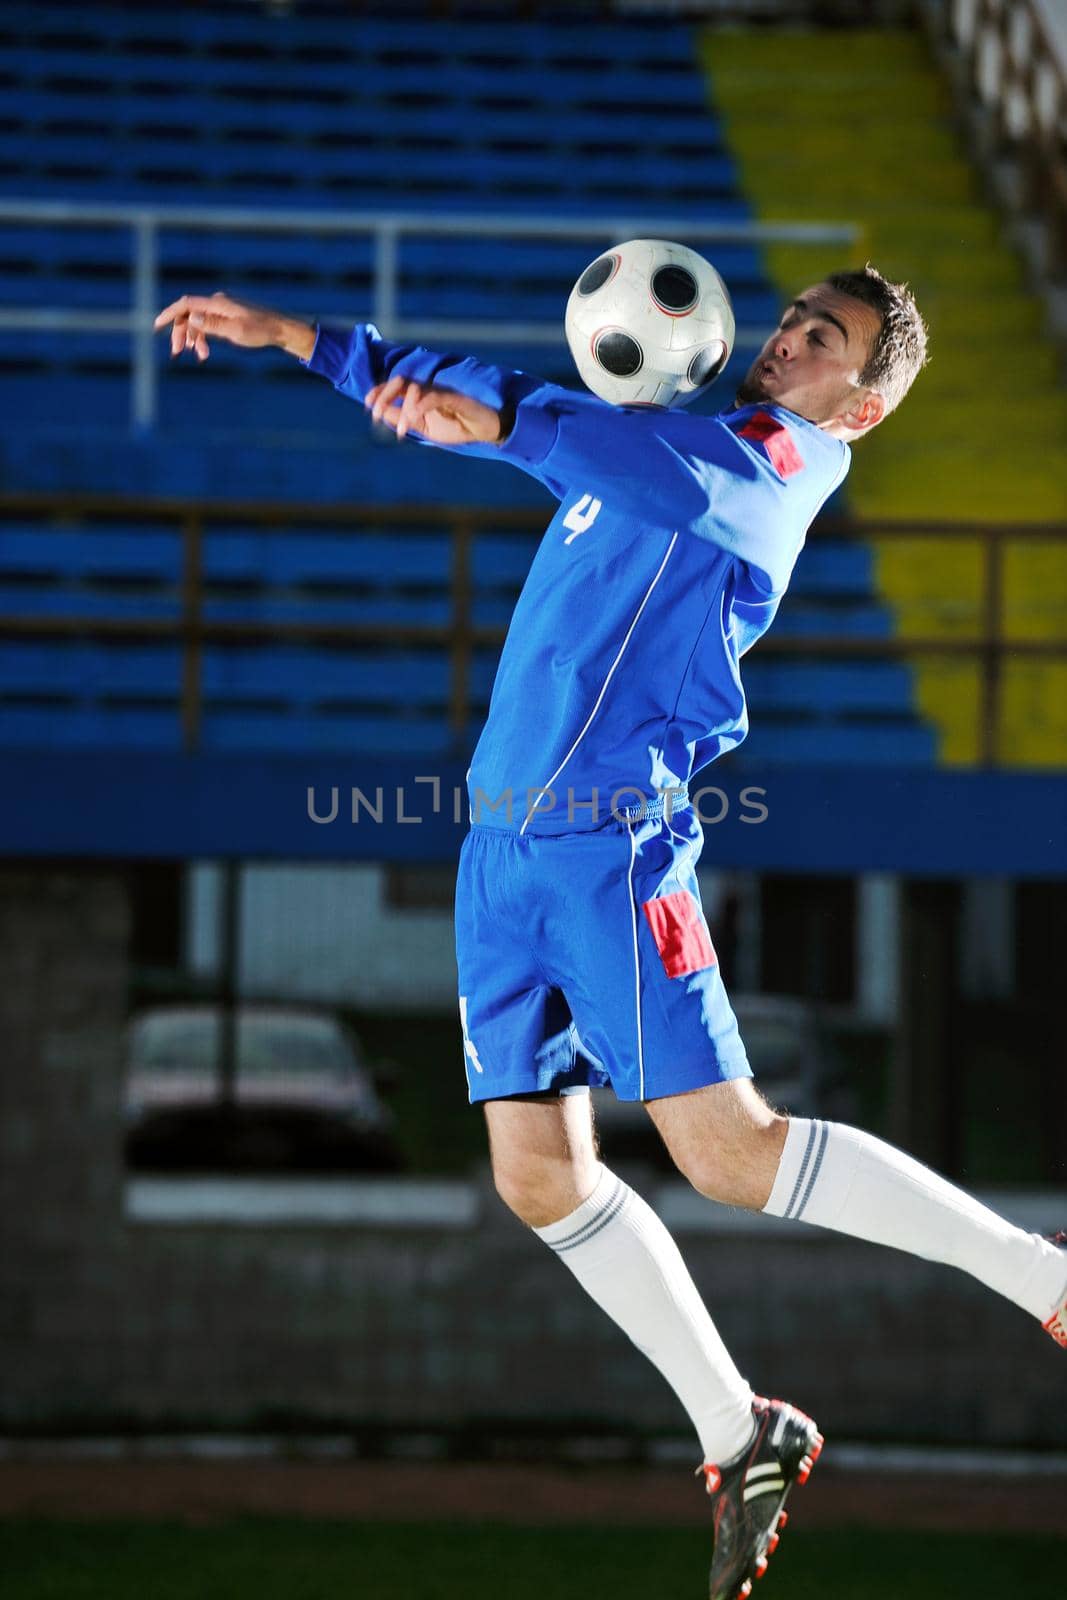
[{"x": 107, "y": 1321}]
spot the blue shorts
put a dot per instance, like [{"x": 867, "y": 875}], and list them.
[{"x": 584, "y": 959}]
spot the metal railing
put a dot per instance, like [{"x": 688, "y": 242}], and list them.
[
  {"x": 1015, "y": 60},
  {"x": 988, "y": 646},
  {"x": 387, "y": 230}
]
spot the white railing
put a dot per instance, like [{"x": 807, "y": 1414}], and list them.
[
  {"x": 1014, "y": 59},
  {"x": 1018, "y": 55},
  {"x": 387, "y": 229}
]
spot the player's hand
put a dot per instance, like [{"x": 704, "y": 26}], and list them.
[
  {"x": 441, "y": 415},
  {"x": 194, "y": 318}
]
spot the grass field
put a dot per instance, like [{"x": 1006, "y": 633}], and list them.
[{"x": 257, "y": 1558}]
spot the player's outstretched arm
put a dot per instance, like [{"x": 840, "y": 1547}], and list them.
[
  {"x": 445, "y": 400},
  {"x": 195, "y": 320}
]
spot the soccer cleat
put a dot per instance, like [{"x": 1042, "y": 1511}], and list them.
[
  {"x": 1057, "y": 1323},
  {"x": 748, "y": 1495}
]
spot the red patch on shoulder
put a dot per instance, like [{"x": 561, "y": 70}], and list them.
[{"x": 776, "y": 439}]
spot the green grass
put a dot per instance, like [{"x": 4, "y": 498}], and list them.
[{"x": 257, "y": 1558}]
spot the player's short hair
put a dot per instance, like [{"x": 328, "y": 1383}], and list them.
[{"x": 899, "y": 352}]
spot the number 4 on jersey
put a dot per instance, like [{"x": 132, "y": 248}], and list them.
[{"x": 581, "y": 517}]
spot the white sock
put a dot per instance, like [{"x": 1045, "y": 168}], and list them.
[
  {"x": 839, "y": 1177},
  {"x": 623, "y": 1257}
]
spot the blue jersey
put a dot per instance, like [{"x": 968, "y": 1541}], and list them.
[{"x": 674, "y": 542}]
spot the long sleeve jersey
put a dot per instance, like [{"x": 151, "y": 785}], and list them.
[{"x": 674, "y": 542}]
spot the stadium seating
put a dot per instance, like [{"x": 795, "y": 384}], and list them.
[
  {"x": 234, "y": 107},
  {"x": 320, "y": 112},
  {"x": 380, "y": 694}
]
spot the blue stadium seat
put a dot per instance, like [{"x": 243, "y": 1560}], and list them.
[
  {"x": 50, "y": 599},
  {"x": 237, "y": 163},
  {"x": 545, "y": 261},
  {"x": 147, "y": 553},
  {"x": 406, "y": 35},
  {"x": 386, "y": 126},
  {"x": 614, "y": 84},
  {"x": 245, "y": 730},
  {"x": 845, "y": 742},
  {"x": 90, "y": 727},
  {"x": 391, "y": 608},
  {"x": 776, "y": 686},
  {"x": 800, "y": 619},
  {"x": 158, "y": 183},
  {"x": 835, "y": 568},
  {"x": 293, "y": 675},
  {"x": 384, "y": 561}
]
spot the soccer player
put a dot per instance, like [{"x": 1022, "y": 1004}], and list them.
[{"x": 583, "y": 953}]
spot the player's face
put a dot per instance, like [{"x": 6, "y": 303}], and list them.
[{"x": 812, "y": 362}]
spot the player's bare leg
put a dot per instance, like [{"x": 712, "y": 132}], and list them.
[
  {"x": 725, "y": 1139},
  {"x": 733, "y": 1148},
  {"x": 543, "y": 1155},
  {"x": 546, "y": 1170}
]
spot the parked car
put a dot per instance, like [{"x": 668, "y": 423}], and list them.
[
  {"x": 304, "y": 1097},
  {"x": 795, "y": 1061}
]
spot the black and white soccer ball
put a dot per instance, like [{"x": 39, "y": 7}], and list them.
[{"x": 649, "y": 322}]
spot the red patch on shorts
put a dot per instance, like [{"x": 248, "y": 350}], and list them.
[
  {"x": 680, "y": 932},
  {"x": 776, "y": 439}
]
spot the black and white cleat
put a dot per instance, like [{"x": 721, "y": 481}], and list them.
[{"x": 748, "y": 1495}]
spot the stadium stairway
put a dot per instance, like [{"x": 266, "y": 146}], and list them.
[
  {"x": 233, "y": 106},
  {"x": 858, "y": 124}
]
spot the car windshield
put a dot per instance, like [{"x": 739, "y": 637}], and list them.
[{"x": 267, "y": 1046}]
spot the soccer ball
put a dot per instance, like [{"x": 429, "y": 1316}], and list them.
[{"x": 649, "y": 323}]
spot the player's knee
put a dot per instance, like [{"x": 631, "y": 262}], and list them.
[
  {"x": 526, "y": 1191},
  {"x": 709, "y": 1171},
  {"x": 739, "y": 1170},
  {"x": 539, "y": 1192}
]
